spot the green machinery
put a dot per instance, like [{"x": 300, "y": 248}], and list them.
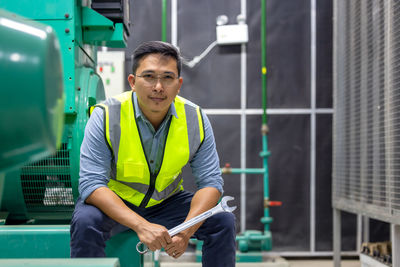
[{"x": 49, "y": 48}]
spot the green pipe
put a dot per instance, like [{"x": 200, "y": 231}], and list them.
[
  {"x": 264, "y": 128},
  {"x": 164, "y": 21},
  {"x": 263, "y": 62}
]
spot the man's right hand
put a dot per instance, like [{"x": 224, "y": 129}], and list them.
[{"x": 154, "y": 236}]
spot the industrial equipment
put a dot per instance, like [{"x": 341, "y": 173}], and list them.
[{"x": 37, "y": 199}]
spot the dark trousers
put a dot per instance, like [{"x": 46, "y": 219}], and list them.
[{"x": 91, "y": 228}]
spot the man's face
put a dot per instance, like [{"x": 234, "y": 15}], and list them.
[{"x": 156, "y": 84}]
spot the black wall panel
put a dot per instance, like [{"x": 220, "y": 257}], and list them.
[
  {"x": 324, "y": 54},
  {"x": 323, "y": 182},
  {"x": 215, "y": 83}
]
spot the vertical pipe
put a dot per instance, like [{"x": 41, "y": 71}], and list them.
[
  {"x": 164, "y": 21},
  {"x": 174, "y": 22},
  {"x": 243, "y": 97},
  {"x": 264, "y": 127},
  {"x": 336, "y": 237},
  {"x": 395, "y": 237},
  {"x": 359, "y": 232},
  {"x": 366, "y": 229},
  {"x": 263, "y": 62},
  {"x": 313, "y": 121}
]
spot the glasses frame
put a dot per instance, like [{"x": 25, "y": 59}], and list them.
[{"x": 159, "y": 78}]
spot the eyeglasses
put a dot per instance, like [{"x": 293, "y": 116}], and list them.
[{"x": 166, "y": 80}]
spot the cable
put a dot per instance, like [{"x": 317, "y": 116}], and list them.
[{"x": 197, "y": 59}]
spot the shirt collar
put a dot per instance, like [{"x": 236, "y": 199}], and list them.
[{"x": 138, "y": 111}]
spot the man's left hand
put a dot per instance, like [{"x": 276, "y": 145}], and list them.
[{"x": 178, "y": 246}]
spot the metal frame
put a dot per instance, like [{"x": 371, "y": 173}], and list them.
[
  {"x": 313, "y": 111},
  {"x": 382, "y": 209}
]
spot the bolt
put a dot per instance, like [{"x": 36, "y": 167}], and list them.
[
  {"x": 66, "y": 15},
  {"x": 66, "y": 30}
]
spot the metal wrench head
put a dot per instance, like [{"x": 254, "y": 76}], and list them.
[{"x": 225, "y": 206}]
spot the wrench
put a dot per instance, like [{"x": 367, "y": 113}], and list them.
[{"x": 221, "y": 207}]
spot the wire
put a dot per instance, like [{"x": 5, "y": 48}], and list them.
[{"x": 197, "y": 59}]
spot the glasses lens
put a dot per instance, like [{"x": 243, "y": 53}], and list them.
[{"x": 166, "y": 80}]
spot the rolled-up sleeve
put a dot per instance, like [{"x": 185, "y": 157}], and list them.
[
  {"x": 95, "y": 158},
  {"x": 205, "y": 163}
]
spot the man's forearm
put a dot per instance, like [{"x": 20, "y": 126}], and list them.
[
  {"x": 108, "y": 202},
  {"x": 203, "y": 200},
  {"x": 153, "y": 235}
]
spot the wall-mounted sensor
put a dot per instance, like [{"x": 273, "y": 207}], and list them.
[{"x": 222, "y": 20}]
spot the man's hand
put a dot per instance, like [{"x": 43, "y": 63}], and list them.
[
  {"x": 203, "y": 200},
  {"x": 178, "y": 245},
  {"x": 154, "y": 236}
]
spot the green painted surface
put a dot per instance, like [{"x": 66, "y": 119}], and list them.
[
  {"x": 88, "y": 262},
  {"x": 249, "y": 257},
  {"x": 123, "y": 246},
  {"x": 34, "y": 241},
  {"x": 50, "y": 186},
  {"x": 254, "y": 241},
  {"x": 52, "y": 241},
  {"x": 31, "y": 98}
]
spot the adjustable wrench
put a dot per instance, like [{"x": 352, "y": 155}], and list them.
[{"x": 221, "y": 207}]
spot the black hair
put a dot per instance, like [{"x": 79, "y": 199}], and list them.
[{"x": 156, "y": 47}]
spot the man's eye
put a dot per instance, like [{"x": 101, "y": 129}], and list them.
[
  {"x": 148, "y": 76},
  {"x": 168, "y": 77}
]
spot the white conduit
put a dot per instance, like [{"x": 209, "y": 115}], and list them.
[
  {"x": 174, "y": 22},
  {"x": 313, "y": 64},
  {"x": 273, "y": 111},
  {"x": 243, "y": 97}
]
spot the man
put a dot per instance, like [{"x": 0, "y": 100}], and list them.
[{"x": 134, "y": 148}]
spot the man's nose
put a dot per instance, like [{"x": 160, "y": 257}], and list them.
[{"x": 158, "y": 85}]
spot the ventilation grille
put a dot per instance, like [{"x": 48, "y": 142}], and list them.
[
  {"x": 47, "y": 183},
  {"x": 366, "y": 157}
]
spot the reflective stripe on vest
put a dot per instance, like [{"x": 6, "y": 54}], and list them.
[{"x": 130, "y": 173}]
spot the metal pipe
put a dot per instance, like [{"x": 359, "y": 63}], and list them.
[
  {"x": 243, "y": 97},
  {"x": 247, "y": 171},
  {"x": 359, "y": 232},
  {"x": 263, "y": 62},
  {"x": 273, "y": 111},
  {"x": 174, "y": 22},
  {"x": 313, "y": 63},
  {"x": 164, "y": 21},
  {"x": 395, "y": 238},
  {"x": 264, "y": 128},
  {"x": 337, "y": 239}
]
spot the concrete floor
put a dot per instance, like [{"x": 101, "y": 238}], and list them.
[
  {"x": 322, "y": 263},
  {"x": 289, "y": 263},
  {"x": 188, "y": 260}
]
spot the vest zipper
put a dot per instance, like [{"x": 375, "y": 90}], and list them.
[
  {"x": 150, "y": 192},
  {"x": 153, "y": 177}
]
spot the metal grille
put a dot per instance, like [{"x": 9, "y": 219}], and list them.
[
  {"x": 47, "y": 183},
  {"x": 366, "y": 152}
]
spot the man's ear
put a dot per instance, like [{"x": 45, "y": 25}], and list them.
[
  {"x": 132, "y": 80},
  {"x": 180, "y": 84}
]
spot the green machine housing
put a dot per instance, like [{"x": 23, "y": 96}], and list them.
[
  {"x": 37, "y": 199},
  {"x": 47, "y": 189}
]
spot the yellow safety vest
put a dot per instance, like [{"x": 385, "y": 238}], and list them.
[{"x": 130, "y": 175}]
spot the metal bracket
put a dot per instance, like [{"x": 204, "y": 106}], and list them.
[{"x": 99, "y": 30}]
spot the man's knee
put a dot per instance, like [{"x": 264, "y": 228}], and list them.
[
  {"x": 226, "y": 220},
  {"x": 221, "y": 222},
  {"x": 86, "y": 216}
]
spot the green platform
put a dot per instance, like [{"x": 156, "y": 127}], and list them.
[
  {"x": 88, "y": 262},
  {"x": 52, "y": 241}
]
